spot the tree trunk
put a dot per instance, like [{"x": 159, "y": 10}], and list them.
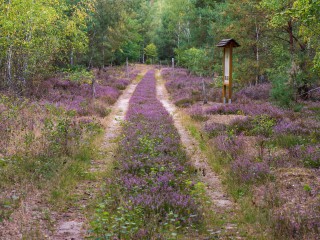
[
  {"x": 9, "y": 68},
  {"x": 257, "y": 50},
  {"x": 71, "y": 58},
  {"x": 179, "y": 29},
  {"x": 290, "y": 31}
]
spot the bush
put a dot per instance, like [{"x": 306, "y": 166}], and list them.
[
  {"x": 263, "y": 125},
  {"x": 282, "y": 94},
  {"x": 247, "y": 169},
  {"x": 213, "y": 129},
  {"x": 257, "y": 92},
  {"x": 196, "y": 60},
  {"x": 309, "y": 156},
  {"x": 184, "y": 102},
  {"x": 241, "y": 125},
  {"x": 198, "y": 114}
]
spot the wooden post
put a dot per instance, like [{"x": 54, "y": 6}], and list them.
[
  {"x": 230, "y": 75},
  {"x": 224, "y": 89},
  {"x": 228, "y": 45}
]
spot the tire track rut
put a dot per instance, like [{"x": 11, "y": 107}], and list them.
[{"x": 221, "y": 202}]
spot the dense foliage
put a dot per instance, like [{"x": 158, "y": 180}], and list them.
[{"x": 279, "y": 40}]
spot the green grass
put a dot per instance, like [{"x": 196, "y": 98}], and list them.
[
  {"x": 288, "y": 140},
  {"x": 198, "y": 136},
  {"x": 41, "y": 172},
  {"x": 75, "y": 171},
  {"x": 7, "y": 206}
]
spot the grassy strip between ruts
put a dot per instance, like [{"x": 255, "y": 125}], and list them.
[{"x": 151, "y": 194}]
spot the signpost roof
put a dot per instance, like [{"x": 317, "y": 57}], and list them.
[{"x": 228, "y": 42}]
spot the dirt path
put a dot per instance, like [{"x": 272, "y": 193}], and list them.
[
  {"x": 221, "y": 202},
  {"x": 73, "y": 226},
  {"x": 33, "y": 219}
]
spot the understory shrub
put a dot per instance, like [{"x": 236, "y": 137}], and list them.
[
  {"x": 241, "y": 125},
  {"x": 247, "y": 169},
  {"x": 308, "y": 155},
  {"x": 281, "y": 91},
  {"x": 213, "y": 129},
  {"x": 263, "y": 125},
  {"x": 298, "y": 127},
  {"x": 256, "y": 92},
  {"x": 197, "y": 113}
]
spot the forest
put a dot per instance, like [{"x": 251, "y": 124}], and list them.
[
  {"x": 113, "y": 126},
  {"x": 279, "y": 39}
]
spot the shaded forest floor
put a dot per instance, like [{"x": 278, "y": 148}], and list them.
[{"x": 250, "y": 169}]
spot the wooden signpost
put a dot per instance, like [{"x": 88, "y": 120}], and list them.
[{"x": 228, "y": 45}]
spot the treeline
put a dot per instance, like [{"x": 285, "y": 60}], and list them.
[
  {"x": 39, "y": 38},
  {"x": 279, "y": 39}
]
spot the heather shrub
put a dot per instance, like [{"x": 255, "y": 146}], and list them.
[
  {"x": 101, "y": 109},
  {"x": 241, "y": 125},
  {"x": 186, "y": 89},
  {"x": 223, "y": 109},
  {"x": 122, "y": 84},
  {"x": 75, "y": 92},
  {"x": 299, "y": 126},
  {"x": 263, "y": 125},
  {"x": 257, "y": 125},
  {"x": 248, "y": 169},
  {"x": 255, "y": 92},
  {"x": 184, "y": 102},
  {"x": 296, "y": 225},
  {"x": 213, "y": 129},
  {"x": 254, "y": 109},
  {"x": 198, "y": 114},
  {"x": 308, "y": 155},
  {"x": 230, "y": 145},
  {"x": 108, "y": 94}
]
